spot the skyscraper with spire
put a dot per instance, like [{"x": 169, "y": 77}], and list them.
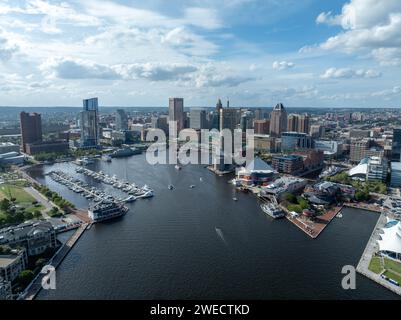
[{"x": 278, "y": 121}]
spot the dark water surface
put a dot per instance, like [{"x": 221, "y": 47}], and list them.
[{"x": 200, "y": 244}]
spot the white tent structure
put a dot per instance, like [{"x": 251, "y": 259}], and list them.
[{"x": 390, "y": 243}]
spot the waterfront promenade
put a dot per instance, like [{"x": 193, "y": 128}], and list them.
[
  {"x": 36, "y": 285},
  {"x": 368, "y": 253},
  {"x": 315, "y": 227}
]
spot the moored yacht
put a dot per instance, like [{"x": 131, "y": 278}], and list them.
[{"x": 272, "y": 210}]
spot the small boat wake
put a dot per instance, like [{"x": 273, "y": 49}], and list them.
[{"x": 221, "y": 235}]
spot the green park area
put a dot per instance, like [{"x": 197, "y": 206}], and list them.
[
  {"x": 17, "y": 205},
  {"x": 362, "y": 188},
  {"x": 391, "y": 268},
  {"x": 295, "y": 203}
]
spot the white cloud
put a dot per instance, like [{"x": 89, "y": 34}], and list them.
[
  {"x": 388, "y": 92},
  {"x": 347, "y": 73},
  {"x": 202, "y": 17},
  {"x": 7, "y": 50},
  {"x": 77, "y": 69},
  {"x": 69, "y": 68},
  {"x": 369, "y": 25},
  {"x": 282, "y": 65},
  {"x": 388, "y": 56},
  {"x": 156, "y": 71}
]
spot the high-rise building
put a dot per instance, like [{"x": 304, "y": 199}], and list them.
[
  {"x": 261, "y": 126},
  {"x": 161, "y": 123},
  {"x": 291, "y": 141},
  {"x": 396, "y": 145},
  {"x": 121, "y": 120},
  {"x": 395, "y": 174},
  {"x": 278, "y": 120},
  {"x": 176, "y": 112},
  {"x": 219, "y": 105},
  {"x": 317, "y": 131},
  {"x": 292, "y": 123},
  {"x": 362, "y": 148},
  {"x": 31, "y": 128},
  {"x": 304, "y": 123},
  {"x": 89, "y": 123},
  {"x": 198, "y": 119},
  {"x": 229, "y": 118},
  {"x": 246, "y": 121}
]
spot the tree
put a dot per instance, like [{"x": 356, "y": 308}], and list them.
[
  {"x": 25, "y": 277},
  {"x": 294, "y": 207},
  {"x": 37, "y": 214},
  {"x": 5, "y": 204},
  {"x": 54, "y": 211},
  {"x": 28, "y": 216},
  {"x": 290, "y": 197},
  {"x": 303, "y": 203},
  {"x": 361, "y": 196}
]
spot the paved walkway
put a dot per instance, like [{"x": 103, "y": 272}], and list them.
[
  {"x": 370, "y": 250},
  {"x": 41, "y": 199},
  {"x": 36, "y": 285}
]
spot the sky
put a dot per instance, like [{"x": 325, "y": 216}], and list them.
[{"x": 257, "y": 53}]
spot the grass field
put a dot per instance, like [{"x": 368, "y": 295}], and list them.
[
  {"x": 393, "y": 268},
  {"x": 375, "y": 265},
  {"x": 393, "y": 276},
  {"x": 21, "y": 196}
]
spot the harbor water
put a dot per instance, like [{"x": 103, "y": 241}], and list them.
[{"x": 198, "y": 243}]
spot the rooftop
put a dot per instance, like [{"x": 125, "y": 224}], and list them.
[
  {"x": 6, "y": 260},
  {"x": 23, "y": 230}
]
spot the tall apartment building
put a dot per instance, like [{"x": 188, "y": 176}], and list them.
[
  {"x": 287, "y": 164},
  {"x": 396, "y": 145},
  {"x": 261, "y": 126},
  {"x": 31, "y": 128},
  {"x": 89, "y": 123},
  {"x": 316, "y": 131},
  {"x": 295, "y": 140},
  {"x": 121, "y": 120},
  {"x": 229, "y": 118},
  {"x": 360, "y": 149},
  {"x": 161, "y": 123},
  {"x": 197, "y": 119},
  {"x": 292, "y": 123},
  {"x": 304, "y": 123},
  {"x": 278, "y": 120},
  {"x": 176, "y": 112}
]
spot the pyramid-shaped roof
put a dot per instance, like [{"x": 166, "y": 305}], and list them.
[{"x": 258, "y": 165}]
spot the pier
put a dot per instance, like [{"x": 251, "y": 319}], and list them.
[
  {"x": 314, "y": 228},
  {"x": 36, "y": 285},
  {"x": 370, "y": 249}
]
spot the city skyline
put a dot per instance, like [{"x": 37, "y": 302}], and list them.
[{"x": 133, "y": 54}]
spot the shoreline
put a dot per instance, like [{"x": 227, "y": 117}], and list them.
[{"x": 367, "y": 255}]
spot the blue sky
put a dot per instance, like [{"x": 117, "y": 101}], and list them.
[{"x": 307, "y": 53}]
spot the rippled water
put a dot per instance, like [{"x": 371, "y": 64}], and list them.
[{"x": 199, "y": 243}]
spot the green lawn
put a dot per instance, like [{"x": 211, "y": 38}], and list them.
[
  {"x": 21, "y": 196},
  {"x": 375, "y": 265},
  {"x": 32, "y": 209},
  {"x": 393, "y": 268},
  {"x": 393, "y": 276}
]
